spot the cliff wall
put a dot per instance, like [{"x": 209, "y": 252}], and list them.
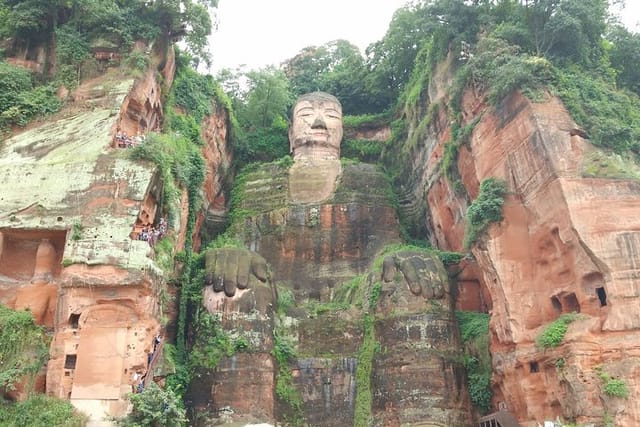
[
  {"x": 72, "y": 208},
  {"x": 567, "y": 244}
]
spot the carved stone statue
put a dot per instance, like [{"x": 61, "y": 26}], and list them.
[
  {"x": 315, "y": 227},
  {"x": 316, "y": 127}
]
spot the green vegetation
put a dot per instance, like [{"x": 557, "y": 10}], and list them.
[
  {"x": 364, "y": 398},
  {"x": 474, "y": 331},
  {"x": 361, "y": 149},
  {"x": 21, "y": 99},
  {"x": 284, "y": 352},
  {"x": 610, "y": 116},
  {"x": 212, "y": 342},
  {"x": 485, "y": 210},
  {"x": 155, "y": 407},
  {"x": 23, "y": 348},
  {"x": 76, "y": 231},
  {"x": 613, "y": 387},
  {"x": 554, "y": 333},
  {"x": 40, "y": 410}
]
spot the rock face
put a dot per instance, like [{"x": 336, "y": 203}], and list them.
[
  {"x": 318, "y": 235},
  {"x": 566, "y": 244},
  {"x": 69, "y": 203},
  {"x": 315, "y": 246}
]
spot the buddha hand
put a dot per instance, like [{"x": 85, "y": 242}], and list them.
[
  {"x": 423, "y": 274},
  {"x": 229, "y": 269}
]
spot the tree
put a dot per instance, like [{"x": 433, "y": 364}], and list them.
[
  {"x": 567, "y": 29},
  {"x": 624, "y": 54},
  {"x": 178, "y": 19},
  {"x": 336, "y": 67},
  {"x": 155, "y": 407},
  {"x": 267, "y": 99}
]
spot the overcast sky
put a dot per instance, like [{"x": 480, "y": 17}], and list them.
[{"x": 258, "y": 33}]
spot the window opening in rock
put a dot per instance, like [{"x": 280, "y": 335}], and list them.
[
  {"x": 70, "y": 361},
  {"x": 555, "y": 302},
  {"x": 74, "y": 320},
  {"x": 533, "y": 367},
  {"x": 602, "y": 296}
]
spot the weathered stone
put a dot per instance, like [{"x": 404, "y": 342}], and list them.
[{"x": 556, "y": 251}]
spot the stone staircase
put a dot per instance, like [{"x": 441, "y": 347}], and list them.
[{"x": 498, "y": 419}]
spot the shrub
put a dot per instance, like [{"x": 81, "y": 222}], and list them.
[
  {"x": 613, "y": 387},
  {"x": 474, "y": 332},
  {"x": 23, "y": 347},
  {"x": 212, "y": 342},
  {"x": 485, "y": 209},
  {"x": 40, "y": 410},
  {"x": 155, "y": 407},
  {"x": 553, "y": 334},
  {"x": 284, "y": 352},
  {"x": 611, "y": 117},
  {"x": 20, "y": 102},
  {"x": 361, "y": 149}
]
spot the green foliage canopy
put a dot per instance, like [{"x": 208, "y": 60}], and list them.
[
  {"x": 155, "y": 407},
  {"x": 23, "y": 347}
]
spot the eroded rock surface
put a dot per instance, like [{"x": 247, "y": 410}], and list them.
[{"x": 566, "y": 244}]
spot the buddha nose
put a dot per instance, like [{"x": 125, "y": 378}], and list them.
[{"x": 318, "y": 123}]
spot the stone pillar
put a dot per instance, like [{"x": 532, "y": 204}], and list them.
[{"x": 45, "y": 262}]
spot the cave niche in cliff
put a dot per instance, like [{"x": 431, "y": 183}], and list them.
[
  {"x": 74, "y": 320},
  {"x": 602, "y": 296},
  {"x": 565, "y": 302},
  {"x": 18, "y": 250}
]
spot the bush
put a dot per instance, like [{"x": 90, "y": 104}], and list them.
[
  {"x": 613, "y": 387},
  {"x": 40, "y": 410},
  {"x": 262, "y": 145},
  {"x": 611, "y": 117},
  {"x": 474, "y": 331},
  {"x": 361, "y": 149},
  {"x": 504, "y": 68},
  {"x": 155, "y": 407},
  {"x": 553, "y": 334},
  {"x": 485, "y": 209},
  {"x": 23, "y": 347},
  {"x": 20, "y": 102}
]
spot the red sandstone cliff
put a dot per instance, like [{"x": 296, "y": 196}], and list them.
[{"x": 567, "y": 243}]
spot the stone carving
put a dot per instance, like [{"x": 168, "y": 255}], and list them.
[
  {"x": 45, "y": 259},
  {"x": 421, "y": 274},
  {"x": 319, "y": 225},
  {"x": 230, "y": 273},
  {"x": 316, "y": 128}
]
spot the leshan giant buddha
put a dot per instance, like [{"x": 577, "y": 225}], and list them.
[{"x": 315, "y": 229}]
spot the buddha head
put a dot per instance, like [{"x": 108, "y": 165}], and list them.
[{"x": 316, "y": 127}]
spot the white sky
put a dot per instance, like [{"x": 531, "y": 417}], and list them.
[
  {"x": 263, "y": 32},
  {"x": 258, "y": 33}
]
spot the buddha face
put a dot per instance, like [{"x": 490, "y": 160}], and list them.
[{"x": 316, "y": 128}]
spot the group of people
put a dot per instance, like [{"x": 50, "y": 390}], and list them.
[
  {"x": 125, "y": 141},
  {"x": 139, "y": 379},
  {"x": 153, "y": 234}
]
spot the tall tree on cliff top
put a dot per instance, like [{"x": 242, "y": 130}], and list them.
[
  {"x": 121, "y": 20},
  {"x": 336, "y": 67},
  {"x": 567, "y": 29},
  {"x": 267, "y": 100}
]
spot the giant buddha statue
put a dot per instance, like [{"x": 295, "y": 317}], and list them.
[{"x": 314, "y": 229}]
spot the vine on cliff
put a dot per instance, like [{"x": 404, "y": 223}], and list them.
[
  {"x": 23, "y": 347},
  {"x": 474, "y": 332},
  {"x": 485, "y": 209}
]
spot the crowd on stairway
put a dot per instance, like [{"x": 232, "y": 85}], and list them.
[
  {"x": 125, "y": 141},
  {"x": 152, "y": 234}
]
